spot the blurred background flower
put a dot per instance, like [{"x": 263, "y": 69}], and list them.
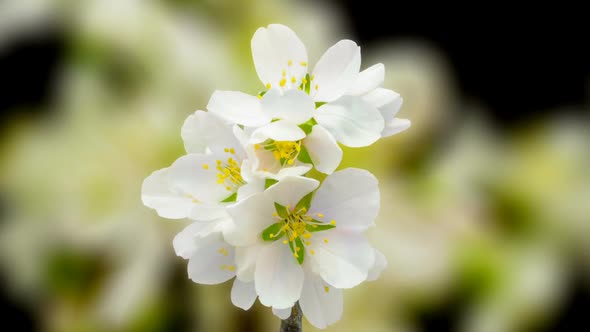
[{"x": 485, "y": 200}]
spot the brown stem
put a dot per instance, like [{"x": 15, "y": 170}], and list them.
[{"x": 293, "y": 323}]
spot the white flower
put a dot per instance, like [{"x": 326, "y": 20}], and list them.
[
  {"x": 297, "y": 245},
  {"x": 202, "y": 183},
  {"x": 335, "y": 87}
]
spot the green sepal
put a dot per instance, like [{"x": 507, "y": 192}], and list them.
[
  {"x": 319, "y": 103},
  {"x": 318, "y": 228},
  {"x": 305, "y": 202},
  {"x": 269, "y": 182},
  {"x": 275, "y": 230},
  {"x": 308, "y": 125},
  {"x": 281, "y": 210},
  {"x": 301, "y": 253},
  {"x": 304, "y": 156},
  {"x": 231, "y": 198},
  {"x": 308, "y": 84}
]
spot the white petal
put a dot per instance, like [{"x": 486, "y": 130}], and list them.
[
  {"x": 251, "y": 216},
  {"x": 254, "y": 186},
  {"x": 156, "y": 194},
  {"x": 279, "y": 131},
  {"x": 237, "y": 107},
  {"x": 213, "y": 262},
  {"x": 336, "y": 71},
  {"x": 381, "y": 97},
  {"x": 294, "y": 106},
  {"x": 321, "y": 304},
  {"x": 351, "y": 120},
  {"x": 368, "y": 80},
  {"x": 378, "y": 267},
  {"x": 350, "y": 197},
  {"x": 291, "y": 189},
  {"x": 323, "y": 150},
  {"x": 246, "y": 261},
  {"x": 292, "y": 171},
  {"x": 243, "y": 294},
  {"x": 396, "y": 126},
  {"x": 344, "y": 258},
  {"x": 203, "y": 130},
  {"x": 273, "y": 48},
  {"x": 282, "y": 313},
  {"x": 208, "y": 211},
  {"x": 186, "y": 242},
  {"x": 278, "y": 276},
  {"x": 195, "y": 175}
]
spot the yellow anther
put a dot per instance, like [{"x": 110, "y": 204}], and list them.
[
  {"x": 304, "y": 80},
  {"x": 307, "y": 235},
  {"x": 290, "y": 161},
  {"x": 232, "y": 151},
  {"x": 274, "y": 214},
  {"x": 297, "y": 248},
  {"x": 312, "y": 77},
  {"x": 225, "y": 150},
  {"x": 205, "y": 166},
  {"x": 307, "y": 243},
  {"x": 303, "y": 63},
  {"x": 189, "y": 195},
  {"x": 259, "y": 96},
  {"x": 320, "y": 215},
  {"x": 325, "y": 240},
  {"x": 290, "y": 63},
  {"x": 284, "y": 73},
  {"x": 268, "y": 86},
  {"x": 285, "y": 242},
  {"x": 295, "y": 254},
  {"x": 326, "y": 289},
  {"x": 333, "y": 222},
  {"x": 256, "y": 146},
  {"x": 195, "y": 200},
  {"x": 272, "y": 235},
  {"x": 222, "y": 251},
  {"x": 218, "y": 162},
  {"x": 317, "y": 86},
  {"x": 228, "y": 188},
  {"x": 300, "y": 88},
  {"x": 293, "y": 79},
  {"x": 312, "y": 252},
  {"x": 282, "y": 82}
]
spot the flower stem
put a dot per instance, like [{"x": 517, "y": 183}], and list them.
[{"x": 293, "y": 323}]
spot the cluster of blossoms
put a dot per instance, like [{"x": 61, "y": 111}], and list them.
[{"x": 285, "y": 237}]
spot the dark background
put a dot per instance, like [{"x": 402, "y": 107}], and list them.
[{"x": 522, "y": 64}]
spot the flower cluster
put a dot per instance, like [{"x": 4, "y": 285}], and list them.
[{"x": 285, "y": 237}]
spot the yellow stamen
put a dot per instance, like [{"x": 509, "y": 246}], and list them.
[
  {"x": 303, "y": 63},
  {"x": 320, "y": 215},
  {"x": 205, "y": 166},
  {"x": 333, "y": 222},
  {"x": 293, "y": 79},
  {"x": 282, "y": 82},
  {"x": 317, "y": 86},
  {"x": 268, "y": 86},
  {"x": 259, "y": 96},
  {"x": 326, "y": 289},
  {"x": 325, "y": 240},
  {"x": 290, "y": 63}
]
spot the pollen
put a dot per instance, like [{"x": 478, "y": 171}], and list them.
[
  {"x": 320, "y": 215},
  {"x": 232, "y": 151},
  {"x": 283, "y": 82},
  {"x": 259, "y": 96},
  {"x": 333, "y": 222},
  {"x": 222, "y": 251},
  {"x": 285, "y": 241},
  {"x": 226, "y": 150},
  {"x": 325, "y": 240},
  {"x": 205, "y": 166},
  {"x": 326, "y": 289},
  {"x": 312, "y": 252},
  {"x": 303, "y": 63},
  {"x": 304, "y": 80},
  {"x": 317, "y": 86},
  {"x": 256, "y": 146},
  {"x": 293, "y": 79},
  {"x": 268, "y": 86}
]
